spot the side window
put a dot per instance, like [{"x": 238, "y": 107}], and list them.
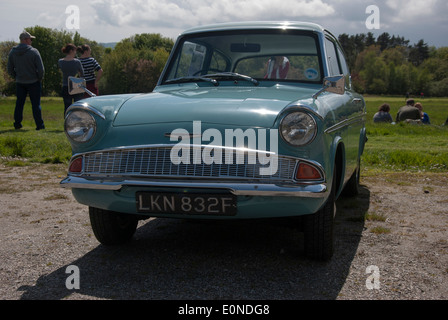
[
  {"x": 332, "y": 58},
  {"x": 343, "y": 63},
  {"x": 197, "y": 60},
  {"x": 190, "y": 62},
  {"x": 345, "y": 69}
]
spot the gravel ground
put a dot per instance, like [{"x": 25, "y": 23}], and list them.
[{"x": 400, "y": 252}]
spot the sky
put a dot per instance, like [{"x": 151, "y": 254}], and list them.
[{"x": 113, "y": 20}]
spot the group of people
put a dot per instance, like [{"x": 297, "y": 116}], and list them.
[
  {"x": 412, "y": 112},
  {"x": 26, "y": 67},
  {"x": 85, "y": 66}
]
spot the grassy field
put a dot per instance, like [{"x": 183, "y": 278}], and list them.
[
  {"x": 27, "y": 144},
  {"x": 401, "y": 147},
  {"x": 407, "y": 147}
]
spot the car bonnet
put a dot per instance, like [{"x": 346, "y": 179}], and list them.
[{"x": 243, "y": 107}]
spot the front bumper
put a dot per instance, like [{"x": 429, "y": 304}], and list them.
[
  {"x": 238, "y": 189},
  {"x": 254, "y": 201}
]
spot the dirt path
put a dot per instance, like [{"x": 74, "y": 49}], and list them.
[{"x": 399, "y": 252}]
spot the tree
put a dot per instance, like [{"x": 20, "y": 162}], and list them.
[
  {"x": 375, "y": 74},
  {"x": 349, "y": 47},
  {"x": 384, "y": 41},
  {"x": 370, "y": 39},
  {"x": 135, "y": 64},
  {"x": 114, "y": 78},
  {"x": 151, "y": 41},
  {"x": 141, "y": 75},
  {"x": 398, "y": 42},
  {"x": 396, "y": 55},
  {"x": 8, "y": 86},
  {"x": 2, "y": 81},
  {"x": 436, "y": 68},
  {"x": 418, "y": 53}
]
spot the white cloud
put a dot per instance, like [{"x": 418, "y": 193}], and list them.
[
  {"x": 51, "y": 19},
  {"x": 187, "y": 13},
  {"x": 114, "y": 20},
  {"x": 411, "y": 10}
]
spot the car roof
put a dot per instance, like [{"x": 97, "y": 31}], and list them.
[{"x": 256, "y": 25}]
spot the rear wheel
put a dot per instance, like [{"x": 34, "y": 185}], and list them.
[
  {"x": 112, "y": 228},
  {"x": 318, "y": 229}
]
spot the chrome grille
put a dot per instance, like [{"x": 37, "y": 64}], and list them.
[{"x": 156, "y": 162}]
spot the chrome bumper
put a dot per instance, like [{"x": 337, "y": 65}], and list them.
[{"x": 239, "y": 189}]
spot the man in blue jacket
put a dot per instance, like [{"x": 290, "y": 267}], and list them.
[{"x": 26, "y": 67}]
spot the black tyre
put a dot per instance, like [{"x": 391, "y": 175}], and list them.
[
  {"x": 111, "y": 228},
  {"x": 318, "y": 230}
]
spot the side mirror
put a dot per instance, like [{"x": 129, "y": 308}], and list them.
[
  {"x": 335, "y": 84},
  {"x": 77, "y": 86}
]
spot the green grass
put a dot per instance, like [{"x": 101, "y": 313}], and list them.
[
  {"x": 380, "y": 230},
  {"x": 27, "y": 144},
  {"x": 401, "y": 147},
  {"x": 407, "y": 147},
  {"x": 375, "y": 217}
]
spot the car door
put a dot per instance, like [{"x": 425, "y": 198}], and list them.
[{"x": 349, "y": 111}]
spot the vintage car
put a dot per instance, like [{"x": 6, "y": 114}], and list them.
[{"x": 248, "y": 121}]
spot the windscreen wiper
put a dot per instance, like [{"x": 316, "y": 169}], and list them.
[
  {"x": 233, "y": 75},
  {"x": 193, "y": 79}
]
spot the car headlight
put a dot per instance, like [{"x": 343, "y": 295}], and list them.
[
  {"x": 298, "y": 128},
  {"x": 80, "y": 126}
]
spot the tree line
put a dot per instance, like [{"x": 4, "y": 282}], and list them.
[
  {"x": 390, "y": 65},
  {"x": 383, "y": 65}
]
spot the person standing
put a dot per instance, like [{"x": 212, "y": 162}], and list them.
[
  {"x": 26, "y": 67},
  {"x": 90, "y": 66},
  {"x": 70, "y": 67}
]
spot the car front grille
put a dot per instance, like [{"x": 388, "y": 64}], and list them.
[{"x": 156, "y": 162}]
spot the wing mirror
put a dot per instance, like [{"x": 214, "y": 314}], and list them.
[
  {"x": 335, "y": 84},
  {"x": 78, "y": 85}
]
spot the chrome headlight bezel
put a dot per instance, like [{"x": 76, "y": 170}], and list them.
[
  {"x": 298, "y": 128},
  {"x": 80, "y": 126}
]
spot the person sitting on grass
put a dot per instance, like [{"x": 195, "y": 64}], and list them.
[
  {"x": 383, "y": 114},
  {"x": 408, "y": 113},
  {"x": 424, "y": 116}
]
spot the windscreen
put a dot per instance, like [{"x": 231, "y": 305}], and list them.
[{"x": 263, "y": 55}]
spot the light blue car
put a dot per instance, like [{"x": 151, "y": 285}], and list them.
[{"x": 247, "y": 121}]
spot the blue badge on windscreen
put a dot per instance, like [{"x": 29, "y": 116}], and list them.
[{"x": 311, "y": 74}]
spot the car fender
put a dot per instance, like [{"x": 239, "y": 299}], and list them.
[{"x": 338, "y": 163}]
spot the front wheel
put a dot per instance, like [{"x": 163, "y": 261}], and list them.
[
  {"x": 318, "y": 229},
  {"x": 111, "y": 228}
]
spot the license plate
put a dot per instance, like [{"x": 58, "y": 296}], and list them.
[{"x": 186, "y": 203}]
